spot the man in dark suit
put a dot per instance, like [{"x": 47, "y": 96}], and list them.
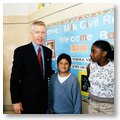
[{"x": 29, "y": 77}]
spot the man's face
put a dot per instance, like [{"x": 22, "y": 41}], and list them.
[{"x": 38, "y": 34}]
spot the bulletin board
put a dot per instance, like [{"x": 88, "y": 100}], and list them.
[{"x": 75, "y": 37}]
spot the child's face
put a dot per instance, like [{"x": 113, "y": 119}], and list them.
[
  {"x": 63, "y": 65},
  {"x": 96, "y": 54}
]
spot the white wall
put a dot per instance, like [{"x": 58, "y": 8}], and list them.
[{"x": 18, "y": 9}]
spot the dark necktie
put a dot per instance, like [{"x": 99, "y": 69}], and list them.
[{"x": 40, "y": 60}]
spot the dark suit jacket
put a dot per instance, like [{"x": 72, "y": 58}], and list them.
[{"x": 26, "y": 85}]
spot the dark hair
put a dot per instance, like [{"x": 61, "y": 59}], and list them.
[
  {"x": 105, "y": 46},
  {"x": 64, "y": 56}
]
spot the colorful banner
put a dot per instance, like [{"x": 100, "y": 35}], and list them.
[{"x": 75, "y": 37}]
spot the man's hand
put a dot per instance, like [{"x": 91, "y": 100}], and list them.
[{"x": 17, "y": 107}]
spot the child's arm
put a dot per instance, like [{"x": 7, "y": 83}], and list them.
[
  {"x": 88, "y": 70},
  {"x": 88, "y": 73},
  {"x": 77, "y": 98}
]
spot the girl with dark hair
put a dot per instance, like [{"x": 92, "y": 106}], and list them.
[
  {"x": 66, "y": 98},
  {"x": 101, "y": 78}
]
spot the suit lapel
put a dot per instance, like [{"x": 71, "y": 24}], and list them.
[
  {"x": 33, "y": 54},
  {"x": 45, "y": 57}
]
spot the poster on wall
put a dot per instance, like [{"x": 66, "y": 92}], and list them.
[{"x": 75, "y": 37}]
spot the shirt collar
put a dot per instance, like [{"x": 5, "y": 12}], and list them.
[{"x": 36, "y": 47}]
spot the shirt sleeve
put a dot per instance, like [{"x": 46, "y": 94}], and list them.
[{"x": 77, "y": 97}]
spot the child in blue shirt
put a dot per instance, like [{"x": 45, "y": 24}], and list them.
[{"x": 65, "y": 97}]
